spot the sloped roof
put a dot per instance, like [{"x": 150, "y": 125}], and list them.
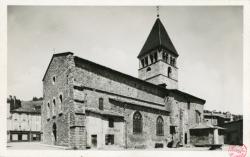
[
  {"x": 29, "y": 107},
  {"x": 206, "y": 126},
  {"x": 80, "y": 62},
  {"x": 216, "y": 115},
  {"x": 158, "y": 38},
  {"x": 55, "y": 55}
]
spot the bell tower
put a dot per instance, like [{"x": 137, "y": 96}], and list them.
[{"x": 158, "y": 58}]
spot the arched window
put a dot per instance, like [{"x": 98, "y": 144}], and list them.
[
  {"x": 61, "y": 98},
  {"x": 155, "y": 57},
  {"x": 60, "y": 104},
  {"x": 137, "y": 123},
  {"x": 54, "y": 107},
  {"x": 146, "y": 61},
  {"x": 48, "y": 110},
  {"x": 159, "y": 126},
  {"x": 151, "y": 59},
  {"x": 169, "y": 71},
  {"x": 142, "y": 63},
  {"x": 53, "y": 80},
  {"x": 54, "y": 130}
]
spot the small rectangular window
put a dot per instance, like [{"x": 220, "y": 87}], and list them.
[
  {"x": 109, "y": 139},
  {"x": 111, "y": 122},
  {"x": 94, "y": 140},
  {"x": 198, "y": 116},
  {"x": 100, "y": 103},
  {"x": 172, "y": 130}
]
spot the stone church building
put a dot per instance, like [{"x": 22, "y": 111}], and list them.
[{"x": 87, "y": 105}]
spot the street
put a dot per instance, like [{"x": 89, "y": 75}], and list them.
[
  {"x": 32, "y": 146},
  {"x": 41, "y": 146}
]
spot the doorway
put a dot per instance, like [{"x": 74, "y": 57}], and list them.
[
  {"x": 54, "y": 132},
  {"x": 19, "y": 137},
  {"x": 185, "y": 140},
  {"x": 94, "y": 141}
]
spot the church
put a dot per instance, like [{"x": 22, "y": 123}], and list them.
[{"x": 89, "y": 106}]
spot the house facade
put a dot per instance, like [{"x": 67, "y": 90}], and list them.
[
  {"x": 24, "y": 122},
  {"x": 234, "y": 132},
  {"x": 217, "y": 118},
  {"x": 87, "y": 105}
]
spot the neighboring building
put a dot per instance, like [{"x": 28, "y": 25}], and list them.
[
  {"x": 234, "y": 132},
  {"x": 24, "y": 122},
  {"x": 207, "y": 135},
  {"x": 232, "y": 124},
  {"x": 217, "y": 118},
  {"x": 87, "y": 105}
]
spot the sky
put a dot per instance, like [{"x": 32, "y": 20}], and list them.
[{"x": 208, "y": 40}]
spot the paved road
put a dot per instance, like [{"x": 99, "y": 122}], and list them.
[{"x": 32, "y": 146}]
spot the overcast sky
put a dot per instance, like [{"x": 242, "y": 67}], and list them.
[{"x": 208, "y": 40}]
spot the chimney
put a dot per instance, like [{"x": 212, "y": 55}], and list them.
[{"x": 15, "y": 104}]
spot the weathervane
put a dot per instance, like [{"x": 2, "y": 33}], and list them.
[{"x": 158, "y": 10}]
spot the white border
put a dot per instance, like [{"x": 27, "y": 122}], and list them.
[{"x": 79, "y": 153}]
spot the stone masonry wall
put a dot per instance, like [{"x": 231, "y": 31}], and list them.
[
  {"x": 98, "y": 82},
  {"x": 59, "y": 68},
  {"x": 182, "y": 116}
]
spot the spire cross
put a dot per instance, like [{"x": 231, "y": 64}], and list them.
[{"x": 158, "y": 10}]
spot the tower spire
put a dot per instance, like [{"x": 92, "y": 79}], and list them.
[{"x": 157, "y": 11}]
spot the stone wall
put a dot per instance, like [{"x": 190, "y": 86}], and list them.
[
  {"x": 82, "y": 84},
  {"x": 182, "y": 116},
  {"x": 60, "y": 68}
]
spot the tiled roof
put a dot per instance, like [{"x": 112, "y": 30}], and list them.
[
  {"x": 30, "y": 107},
  {"x": 158, "y": 38},
  {"x": 216, "y": 115},
  {"x": 83, "y": 63},
  {"x": 205, "y": 126}
]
